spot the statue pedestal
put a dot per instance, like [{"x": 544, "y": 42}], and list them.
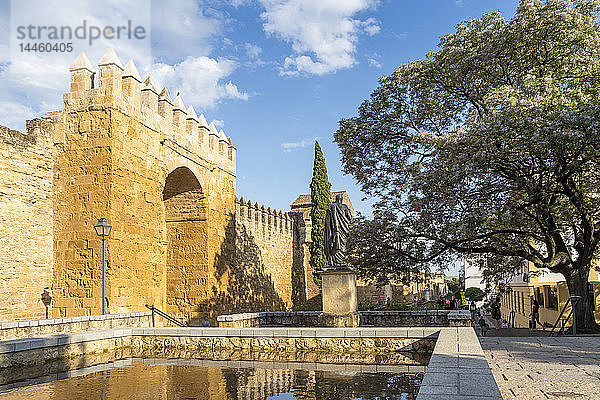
[{"x": 339, "y": 298}]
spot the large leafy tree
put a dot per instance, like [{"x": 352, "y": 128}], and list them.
[
  {"x": 488, "y": 146},
  {"x": 320, "y": 194}
]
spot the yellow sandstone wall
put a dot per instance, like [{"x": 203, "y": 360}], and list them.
[
  {"x": 263, "y": 259},
  {"x": 26, "y": 220}
]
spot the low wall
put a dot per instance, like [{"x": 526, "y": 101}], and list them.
[
  {"x": 431, "y": 318},
  {"x": 44, "y": 327},
  {"x": 26, "y": 357}
]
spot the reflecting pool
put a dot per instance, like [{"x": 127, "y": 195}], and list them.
[{"x": 178, "y": 379}]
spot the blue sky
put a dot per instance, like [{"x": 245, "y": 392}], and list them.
[{"x": 274, "y": 74}]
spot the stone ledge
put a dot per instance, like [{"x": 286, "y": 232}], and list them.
[
  {"x": 432, "y": 318},
  {"x": 408, "y": 332},
  {"x": 275, "y": 314},
  {"x": 15, "y": 345},
  {"x": 458, "y": 369},
  {"x": 45, "y": 327},
  {"x": 69, "y": 320}
]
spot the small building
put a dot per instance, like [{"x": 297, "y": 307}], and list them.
[{"x": 549, "y": 289}]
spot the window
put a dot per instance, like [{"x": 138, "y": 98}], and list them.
[
  {"x": 523, "y": 302},
  {"x": 552, "y": 297},
  {"x": 539, "y": 295}
]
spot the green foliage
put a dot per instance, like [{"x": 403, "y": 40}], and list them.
[
  {"x": 488, "y": 146},
  {"x": 474, "y": 294},
  {"x": 320, "y": 193},
  {"x": 454, "y": 286}
]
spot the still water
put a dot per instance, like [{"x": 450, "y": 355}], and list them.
[{"x": 189, "y": 382}]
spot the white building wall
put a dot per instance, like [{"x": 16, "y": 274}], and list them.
[{"x": 472, "y": 273}]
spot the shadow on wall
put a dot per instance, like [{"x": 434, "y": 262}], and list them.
[
  {"x": 240, "y": 274},
  {"x": 298, "y": 274}
]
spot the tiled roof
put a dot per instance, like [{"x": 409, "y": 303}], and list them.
[{"x": 304, "y": 199}]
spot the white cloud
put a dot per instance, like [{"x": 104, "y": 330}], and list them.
[
  {"x": 181, "y": 28},
  {"x": 289, "y": 146},
  {"x": 374, "y": 63},
  {"x": 401, "y": 35},
  {"x": 322, "y": 33},
  {"x": 14, "y": 114},
  {"x": 33, "y": 83},
  {"x": 200, "y": 80},
  {"x": 370, "y": 26},
  {"x": 219, "y": 123},
  {"x": 252, "y": 51},
  {"x": 237, "y": 3}
]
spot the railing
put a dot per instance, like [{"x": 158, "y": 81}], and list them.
[
  {"x": 164, "y": 315},
  {"x": 574, "y": 301}
]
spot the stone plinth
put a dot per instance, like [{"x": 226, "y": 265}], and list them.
[{"x": 339, "y": 291}]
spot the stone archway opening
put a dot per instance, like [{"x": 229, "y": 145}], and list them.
[{"x": 186, "y": 225}]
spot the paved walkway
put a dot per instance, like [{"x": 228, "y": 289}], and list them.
[
  {"x": 511, "y": 332},
  {"x": 545, "y": 368}
]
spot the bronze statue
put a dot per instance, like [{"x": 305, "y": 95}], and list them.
[{"x": 337, "y": 225}]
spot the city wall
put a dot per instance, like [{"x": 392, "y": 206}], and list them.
[
  {"x": 26, "y": 165},
  {"x": 166, "y": 181},
  {"x": 264, "y": 256}
]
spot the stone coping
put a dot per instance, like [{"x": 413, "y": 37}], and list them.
[
  {"x": 15, "y": 345},
  {"x": 292, "y": 332},
  {"x": 458, "y": 369},
  {"x": 242, "y": 316},
  {"x": 452, "y": 314},
  {"x": 70, "y": 320}
]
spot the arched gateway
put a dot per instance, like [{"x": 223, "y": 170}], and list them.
[{"x": 186, "y": 218}]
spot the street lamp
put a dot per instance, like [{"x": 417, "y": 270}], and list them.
[{"x": 103, "y": 230}]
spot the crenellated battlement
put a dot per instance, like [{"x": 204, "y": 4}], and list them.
[
  {"x": 260, "y": 217},
  {"x": 121, "y": 87}
]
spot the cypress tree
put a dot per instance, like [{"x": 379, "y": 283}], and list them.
[{"x": 320, "y": 195}]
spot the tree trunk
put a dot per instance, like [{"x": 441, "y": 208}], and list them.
[{"x": 577, "y": 283}]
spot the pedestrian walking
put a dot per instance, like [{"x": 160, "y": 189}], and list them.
[
  {"x": 496, "y": 313},
  {"x": 535, "y": 315},
  {"x": 472, "y": 308},
  {"x": 484, "y": 326}
]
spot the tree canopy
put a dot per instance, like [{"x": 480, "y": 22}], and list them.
[
  {"x": 489, "y": 145},
  {"x": 474, "y": 294}
]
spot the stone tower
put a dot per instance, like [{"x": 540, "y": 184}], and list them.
[{"x": 161, "y": 175}]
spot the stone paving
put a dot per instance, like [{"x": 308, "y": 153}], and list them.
[{"x": 545, "y": 368}]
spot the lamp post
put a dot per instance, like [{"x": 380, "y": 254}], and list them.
[{"x": 103, "y": 230}]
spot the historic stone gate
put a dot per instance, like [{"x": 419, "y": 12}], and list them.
[
  {"x": 165, "y": 180},
  {"x": 162, "y": 176}
]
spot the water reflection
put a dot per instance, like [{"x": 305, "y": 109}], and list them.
[{"x": 191, "y": 382}]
